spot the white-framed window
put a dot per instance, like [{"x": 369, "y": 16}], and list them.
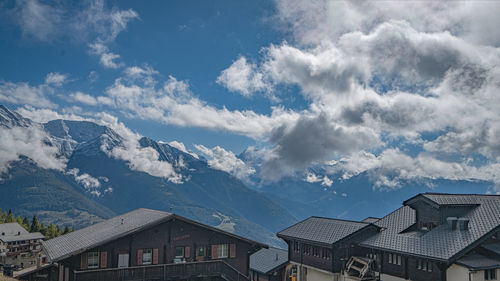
[
  {"x": 490, "y": 274},
  {"x": 223, "y": 251},
  {"x": 147, "y": 256},
  {"x": 93, "y": 260},
  {"x": 179, "y": 252}
]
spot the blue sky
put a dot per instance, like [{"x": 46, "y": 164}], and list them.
[{"x": 351, "y": 87}]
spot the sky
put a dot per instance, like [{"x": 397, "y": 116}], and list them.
[{"x": 399, "y": 90}]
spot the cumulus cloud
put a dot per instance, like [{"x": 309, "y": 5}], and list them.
[
  {"x": 224, "y": 160},
  {"x": 106, "y": 58},
  {"x": 242, "y": 77},
  {"x": 313, "y": 178},
  {"x": 87, "y": 181},
  {"x": 180, "y": 146},
  {"x": 173, "y": 103},
  {"x": 143, "y": 159},
  {"x": 44, "y": 115},
  {"x": 55, "y": 78},
  {"x": 31, "y": 142},
  {"x": 25, "y": 94},
  {"x": 311, "y": 140}
]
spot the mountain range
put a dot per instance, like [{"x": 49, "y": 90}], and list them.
[{"x": 96, "y": 182}]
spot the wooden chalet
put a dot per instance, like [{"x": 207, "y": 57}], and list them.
[
  {"x": 147, "y": 245},
  {"x": 432, "y": 237}
]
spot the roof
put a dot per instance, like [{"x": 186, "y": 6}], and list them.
[
  {"x": 267, "y": 260},
  {"x": 27, "y": 236},
  {"x": 98, "y": 234},
  {"x": 370, "y": 219},
  {"x": 478, "y": 262},
  {"x": 323, "y": 230},
  {"x": 492, "y": 247},
  {"x": 86, "y": 238},
  {"x": 14, "y": 232},
  {"x": 441, "y": 243},
  {"x": 13, "y": 228}
]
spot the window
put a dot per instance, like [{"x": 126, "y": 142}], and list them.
[
  {"x": 306, "y": 249},
  {"x": 315, "y": 251},
  {"x": 179, "y": 252},
  {"x": 147, "y": 256},
  {"x": 394, "y": 259},
  {"x": 223, "y": 251},
  {"x": 201, "y": 251},
  {"x": 424, "y": 265},
  {"x": 325, "y": 253},
  {"x": 296, "y": 246},
  {"x": 490, "y": 274},
  {"x": 93, "y": 260}
]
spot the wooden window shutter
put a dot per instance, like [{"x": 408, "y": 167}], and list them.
[
  {"x": 104, "y": 259},
  {"x": 187, "y": 252},
  {"x": 232, "y": 250},
  {"x": 84, "y": 261},
  {"x": 215, "y": 252},
  {"x": 139, "y": 257},
  {"x": 155, "y": 256}
]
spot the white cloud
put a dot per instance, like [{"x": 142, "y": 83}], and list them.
[
  {"x": 106, "y": 58},
  {"x": 31, "y": 142},
  {"x": 85, "y": 21},
  {"x": 87, "y": 181},
  {"x": 224, "y": 160},
  {"x": 143, "y": 159},
  {"x": 25, "y": 94},
  {"x": 55, "y": 78},
  {"x": 242, "y": 77},
  {"x": 180, "y": 146},
  {"x": 173, "y": 103},
  {"x": 45, "y": 115}
]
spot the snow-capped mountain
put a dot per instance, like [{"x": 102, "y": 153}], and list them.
[{"x": 100, "y": 173}]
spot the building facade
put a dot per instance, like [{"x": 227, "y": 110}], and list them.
[
  {"x": 18, "y": 246},
  {"x": 157, "y": 245},
  {"x": 431, "y": 237}
]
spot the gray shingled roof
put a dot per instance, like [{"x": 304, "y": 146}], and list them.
[
  {"x": 10, "y": 232},
  {"x": 27, "y": 236},
  {"x": 322, "y": 230},
  {"x": 12, "y": 228},
  {"x": 478, "y": 262},
  {"x": 100, "y": 233},
  {"x": 267, "y": 260},
  {"x": 441, "y": 242}
]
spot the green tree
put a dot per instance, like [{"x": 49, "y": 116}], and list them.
[
  {"x": 51, "y": 231},
  {"x": 35, "y": 225},
  {"x": 10, "y": 217},
  {"x": 26, "y": 224},
  {"x": 66, "y": 230}
]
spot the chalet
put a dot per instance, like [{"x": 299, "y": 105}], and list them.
[
  {"x": 268, "y": 265},
  {"x": 318, "y": 248},
  {"x": 18, "y": 246},
  {"x": 147, "y": 245},
  {"x": 432, "y": 236}
]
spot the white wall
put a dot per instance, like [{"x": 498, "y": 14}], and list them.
[
  {"x": 457, "y": 273},
  {"x": 386, "y": 277}
]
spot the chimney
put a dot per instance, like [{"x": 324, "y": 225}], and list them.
[
  {"x": 452, "y": 222},
  {"x": 463, "y": 223},
  {"x": 122, "y": 221}
]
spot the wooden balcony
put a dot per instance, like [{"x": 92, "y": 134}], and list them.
[{"x": 164, "y": 272}]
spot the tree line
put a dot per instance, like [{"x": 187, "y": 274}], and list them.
[{"x": 49, "y": 231}]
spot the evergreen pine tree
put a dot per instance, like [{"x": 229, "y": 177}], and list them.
[
  {"x": 26, "y": 223},
  {"x": 66, "y": 229},
  {"x": 35, "y": 225},
  {"x": 51, "y": 231},
  {"x": 10, "y": 217}
]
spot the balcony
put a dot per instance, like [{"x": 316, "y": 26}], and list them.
[{"x": 179, "y": 271}]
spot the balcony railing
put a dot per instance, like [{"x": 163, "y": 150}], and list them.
[{"x": 215, "y": 268}]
